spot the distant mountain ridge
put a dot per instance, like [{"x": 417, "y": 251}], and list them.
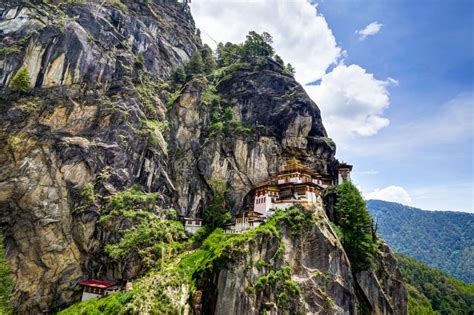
[{"x": 442, "y": 239}]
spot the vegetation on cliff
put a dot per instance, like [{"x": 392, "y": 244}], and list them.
[
  {"x": 169, "y": 287},
  {"x": 441, "y": 239},
  {"x": 217, "y": 213},
  {"x": 432, "y": 291},
  {"x": 354, "y": 222},
  {"x": 141, "y": 229},
  {"x": 21, "y": 80},
  {"x": 6, "y": 282}
]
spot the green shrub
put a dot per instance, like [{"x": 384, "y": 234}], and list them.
[
  {"x": 173, "y": 98},
  {"x": 88, "y": 193},
  {"x": 118, "y": 5},
  {"x": 5, "y": 51},
  {"x": 217, "y": 214},
  {"x": 21, "y": 80},
  {"x": 6, "y": 282},
  {"x": 210, "y": 96},
  {"x": 147, "y": 235}
]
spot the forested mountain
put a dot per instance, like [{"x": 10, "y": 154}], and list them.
[
  {"x": 442, "y": 239},
  {"x": 431, "y": 291}
]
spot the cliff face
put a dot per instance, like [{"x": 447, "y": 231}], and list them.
[
  {"x": 81, "y": 124},
  {"x": 279, "y": 121},
  {"x": 98, "y": 115}
]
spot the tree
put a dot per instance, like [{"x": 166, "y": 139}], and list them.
[
  {"x": 355, "y": 223},
  {"x": 208, "y": 59},
  {"x": 195, "y": 65},
  {"x": 289, "y": 69},
  {"x": 6, "y": 283},
  {"x": 179, "y": 75},
  {"x": 21, "y": 80},
  {"x": 279, "y": 60},
  {"x": 258, "y": 45},
  {"x": 217, "y": 213},
  {"x": 228, "y": 54}
]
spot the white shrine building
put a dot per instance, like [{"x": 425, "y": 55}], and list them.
[
  {"x": 296, "y": 184},
  {"x": 191, "y": 225}
]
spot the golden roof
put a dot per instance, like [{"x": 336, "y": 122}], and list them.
[{"x": 294, "y": 164}]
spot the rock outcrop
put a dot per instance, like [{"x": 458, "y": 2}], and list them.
[
  {"x": 98, "y": 115},
  {"x": 82, "y": 124}
]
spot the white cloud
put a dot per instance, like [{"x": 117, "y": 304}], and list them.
[
  {"x": 370, "y": 30},
  {"x": 455, "y": 196},
  {"x": 391, "y": 193},
  {"x": 352, "y": 102},
  {"x": 301, "y": 35},
  {"x": 451, "y": 123}
]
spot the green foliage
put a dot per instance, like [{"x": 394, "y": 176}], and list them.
[
  {"x": 147, "y": 236},
  {"x": 163, "y": 287},
  {"x": 195, "y": 65},
  {"x": 217, "y": 214},
  {"x": 208, "y": 59},
  {"x": 6, "y": 282},
  {"x": 446, "y": 294},
  {"x": 286, "y": 289},
  {"x": 132, "y": 199},
  {"x": 151, "y": 127},
  {"x": 279, "y": 60},
  {"x": 297, "y": 218},
  {"x": 289, "y": 69},
  {"x": 153, "y": 238},
  {"x": 21, "y": 80},
  {"x": 210, "y": 96},
  {"x": 223, "y": 124},
  {"x": 355, "y": 223},
  {"x": 5, "y": 51},
  {"x": 88, "y": 194},
  {"x": 255, "y": 45},
  {"x": 118, "y": 5},
  {"x": 139, "y": 61},
  {"x": 418, "y": 304},
  {"x": 173, "y": 98},
  {"x": 228, "y": 54},
  {"x": 111, "y": 304},
  {"x": 146, "y": 91},
  {"x": 179, "y": 75},
  {"x": 258, "y": 45},
  {"x": 442, "y": 239}
]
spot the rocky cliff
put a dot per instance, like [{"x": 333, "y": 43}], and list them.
[{"x": 100, "y": 116}]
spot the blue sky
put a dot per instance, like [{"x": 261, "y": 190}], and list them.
[
  {"x": 398, "y": 100},
  {"x": 427, "y": 46}
]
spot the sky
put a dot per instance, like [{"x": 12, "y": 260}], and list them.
[{"x": 394, "y": 81}]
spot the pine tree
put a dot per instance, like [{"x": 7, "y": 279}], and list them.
[
  {"x": 289, "y": 69},
  {"x": 21, "y": 80},
  {"x": 6, "y": 283},
  {"x": 279, "y": 60},
  {"x": 195, "y": 65},
  {"x": 178, "y": 76},
  {"x": 217, "y": 213},
  {"x": 228, "y": 54},
  {"x": 355, "y": 223},
  {"x": 208, "y": 59}
]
